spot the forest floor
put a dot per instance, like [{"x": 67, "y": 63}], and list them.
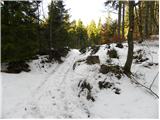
[{"x": 52, "y": 90}]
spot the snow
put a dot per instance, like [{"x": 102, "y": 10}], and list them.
[{"x": 51, "y": 90}]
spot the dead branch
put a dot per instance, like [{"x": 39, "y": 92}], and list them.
[
  {"x": 154, "y": 80},
  {"x": 147, "y": 88}
]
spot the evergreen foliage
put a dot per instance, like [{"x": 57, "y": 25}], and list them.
[
  {"x": 19, "y": 38},
  {"x": 25, "y": 35},
  {"x": 58, "y": 24}
]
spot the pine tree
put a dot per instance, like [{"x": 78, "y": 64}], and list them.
[
  {"x": 81, "y": 34},
  {"x": 99, "y": 28},
  {"x": 58, "y": 25},
  {"x": 93, "y": 34},
  {"x": 73, "y": 35},
  {"x": 19, "y": 30}
]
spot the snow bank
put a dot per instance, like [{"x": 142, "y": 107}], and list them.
[{"x": 51, "y": 90}]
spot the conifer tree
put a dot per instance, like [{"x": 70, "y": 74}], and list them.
[
  {"x": 19, "y": 30},
  {"x": 92, "y": 31},
  {"x": 58, "y": 25},
  {"x": 81, "y": 34}
]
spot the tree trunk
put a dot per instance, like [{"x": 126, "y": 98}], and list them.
[
  {"x": 140, "y": 21},
  {"x": 153, "y": 14},
  {"x": 38, "y": 28},
  {"x": 119, "y": 19},
  {"x": 50, "y": 34},
  {"x": 150, "y": 17},
  {"x": 127, "y": 67},
  {"x": 146, "y": 18},
  {"x": 123, "y": 20}
]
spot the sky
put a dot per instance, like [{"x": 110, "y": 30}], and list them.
[{"x": 86, "y": 10}]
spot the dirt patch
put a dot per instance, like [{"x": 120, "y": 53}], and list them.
[{"x": 92, "y": 60}]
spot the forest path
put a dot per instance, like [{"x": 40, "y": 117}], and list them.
[{"x": 55, "y": 96}]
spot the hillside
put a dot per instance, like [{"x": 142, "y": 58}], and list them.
[{"x": 75, "y": 89}]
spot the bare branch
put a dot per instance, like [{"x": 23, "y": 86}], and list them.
[
  {"x": 153, "y": 80},
  {"x": 147, "y": 88}
]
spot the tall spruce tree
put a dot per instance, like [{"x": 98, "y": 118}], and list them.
[
  {"x": 58, "y": 25},
  {"x": 81, "y": 33},
  {"x": 93, "y": 33},
  {"x": 19, "y": 29}
]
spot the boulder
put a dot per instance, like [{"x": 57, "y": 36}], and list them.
[
  {"x": 92, "y": 60},
  {"x": 117, "y": 70}
]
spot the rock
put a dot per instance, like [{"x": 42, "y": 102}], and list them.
[
  {"x": 109, "y": 61},
  {"x": 104, "y": 69},
  {"x": 112, "y": 53},
  {"x": 117, "y": 70},
  {"x": 119, "y": 45},
  {"x": 92, "y": 60},
  {"x": 118, "y": 76},
  {"x": 117, "y": 91}
]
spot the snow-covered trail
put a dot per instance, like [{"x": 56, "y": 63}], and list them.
[
  {"x": 52, "y": 96},
  {"x": 52, "y": 91}
]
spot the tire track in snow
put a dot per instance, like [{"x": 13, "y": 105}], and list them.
[
  {"x": 56, "y": 84},
  {"x": 61, "y": 72},
  {"x": 46, "y": 78},
  {"x": 23, "y": 107}
]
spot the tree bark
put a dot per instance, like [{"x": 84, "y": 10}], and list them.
[
  {"x": 50, "y": 33},
  {"x": 38, "y": 28},
  {"x": 146, "y": 18},
  {"x": 119, "y": 19},
  {"x": 123, "y": 20},
  {"x": 140, "y": 21},
  {"x": 153, "y": 14},
  {"x": 127, "y": 67}
]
